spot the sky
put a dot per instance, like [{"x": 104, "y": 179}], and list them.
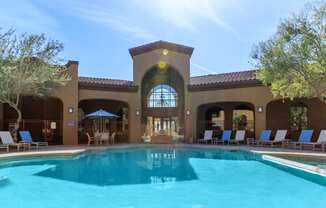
[{"x": 98, "y": 33}]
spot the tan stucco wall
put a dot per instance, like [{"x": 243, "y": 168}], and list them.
[
  {"x": 143, "y": 62},
  {"x": 69, "y": 97},
  {"x": 178, "y": 61},
  {"x": 259, "y": 96}
]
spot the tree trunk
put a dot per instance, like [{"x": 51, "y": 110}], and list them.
[{"x": 18, "y": 120}]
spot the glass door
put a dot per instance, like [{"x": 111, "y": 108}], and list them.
[{"x": 162, "y": 126}]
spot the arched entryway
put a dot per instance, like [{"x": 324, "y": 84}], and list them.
[
  {"x": 296, "y": 115},
  {"x": 119, "y": 125},
  {"x": 43, "y": 117},
  {"x": 226, "y": 116},
  {"x": 162, "y": 92}
]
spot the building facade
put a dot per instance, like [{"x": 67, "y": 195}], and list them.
[{"x": 163, "y": 102}]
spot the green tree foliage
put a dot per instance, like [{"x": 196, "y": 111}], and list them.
[
  {"x": 293, "y": 61},
  {"x": 29, "y": 65}
]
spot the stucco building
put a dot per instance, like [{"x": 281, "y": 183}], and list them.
[{"x": 162, "y": 99}]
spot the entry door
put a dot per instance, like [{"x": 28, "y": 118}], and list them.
[{"x": 165, "y": 125}]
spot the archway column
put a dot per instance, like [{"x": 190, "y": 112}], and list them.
[
  {"x": 228, "y": 120},
  {"x": 135, "y": 124},
  {"x": 190, "y": 125},
  {"x": 260, "y": 119}
]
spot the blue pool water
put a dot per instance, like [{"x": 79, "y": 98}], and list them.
[{"x": 156, "y": 177}]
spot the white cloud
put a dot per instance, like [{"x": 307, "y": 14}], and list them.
[
  {"x": 114, "y": 20},
  {"x": 202, "y": 68},
  {"x": 187, "y": 14}
]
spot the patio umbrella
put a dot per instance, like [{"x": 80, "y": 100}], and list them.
[{"x": 101, "y": 114}]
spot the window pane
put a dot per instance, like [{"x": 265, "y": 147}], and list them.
[{"x": 162, "y": 96}]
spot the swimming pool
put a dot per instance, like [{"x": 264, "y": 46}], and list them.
[{"x": 155, "y": 177}]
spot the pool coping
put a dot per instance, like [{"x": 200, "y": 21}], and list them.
[
  {"x": 14, "y": 155},
  {"x": 296, "y": 165}
]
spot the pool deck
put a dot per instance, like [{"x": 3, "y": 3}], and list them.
[{"x": 270, "y": 154}]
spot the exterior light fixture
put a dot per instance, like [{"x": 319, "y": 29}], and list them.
[
  {"x": 188, "y": 112},
  {"x": 137, "y": 112},
  {"x": 70, "y": 109},
  {"x": 165, "y": 52},
  {"x": 260, "y": 109},
  {"x": 162, "y": 65},
  {"x": 53, "y": 125}
]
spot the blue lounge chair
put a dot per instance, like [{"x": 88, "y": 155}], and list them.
[
  {"x": 226, "y": 137},
  {"x": 279, "y": 139},
  {"x": 265, "y": 136},
  {"x": 304, "y": 138},
  {"x": 27, "y": 138},
  {"x": 321, "y": 142}
]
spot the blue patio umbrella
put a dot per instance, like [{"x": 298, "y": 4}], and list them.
[{"x": 101, "y": 114}]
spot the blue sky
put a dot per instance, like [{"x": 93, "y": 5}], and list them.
[{"x": 98, "y": 33}]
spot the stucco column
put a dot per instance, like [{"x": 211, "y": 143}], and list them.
[
  {"x": 70, "y": 123},
  {"x": 135, "y": 124},
  {"x": 69, "y": 95},
  {"x": 228, "y": 122},
  {"x": 260, "y": 119},
  {"x": 190, "y": 125}
]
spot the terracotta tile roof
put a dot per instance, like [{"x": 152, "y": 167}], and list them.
[
  {"x": 224, "y": 79},
  {"x": 91, "y": 82},
  {"x": 212, "y": 81},
  {"x": 161, "y": 45}
]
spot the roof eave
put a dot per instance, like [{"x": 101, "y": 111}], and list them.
[{"x": 161, "y": 45}]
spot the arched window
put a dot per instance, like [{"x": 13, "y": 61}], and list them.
[
  {"x": 243, "y": 118},
  {"x": 162, "y": 96}
]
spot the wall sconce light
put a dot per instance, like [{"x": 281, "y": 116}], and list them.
[
  {"x": 137, "y": 112},
  {"x": 260, "y": 109},
  {"x": 53, "y": 125},
  {"x": 188, "y": 112},
  {"x": 70, "y": 109}
]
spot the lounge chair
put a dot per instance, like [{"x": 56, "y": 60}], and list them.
[
  {"x": 8, "y": 141},
  {"x": 3, "y": 146},
  {"x": 320, "y": 142},
  {"x": 104, "y": 138},
  {"x": 239, "y": 137},
  {"x": 265, "y": 135},
  {"x": 304, "y": 138},
  {"x": 112, "y": 138},
  {"x": 208, "y": 136},
  {"x": 226, "y": 137},
  {"x": 90, "y": 139},
  {"x": 279, "y": 139},
  {"x": 27, "y": 138}
]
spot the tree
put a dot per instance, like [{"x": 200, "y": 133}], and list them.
[
  {"x": 293, "y": 61},
  {"x": 29, "y": 65}
]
